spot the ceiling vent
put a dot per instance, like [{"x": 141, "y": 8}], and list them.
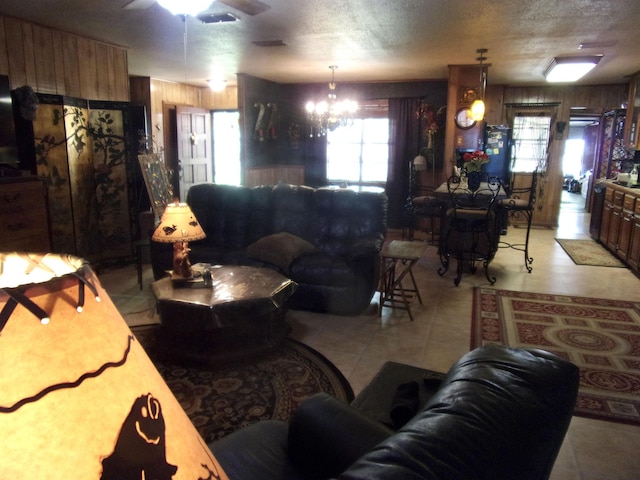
[
  {"x": 269, "y": 43},
  {"x": 217, "y": 18}
]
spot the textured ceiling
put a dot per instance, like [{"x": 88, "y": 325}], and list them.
[{"x": 369, "y": 40}]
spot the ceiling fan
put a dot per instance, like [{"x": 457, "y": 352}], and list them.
[{"x": 248, "y": 7}]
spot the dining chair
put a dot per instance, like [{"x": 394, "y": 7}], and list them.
[
  {"x": 521, "y": 202},
  {"x": 470, "y": 232}
]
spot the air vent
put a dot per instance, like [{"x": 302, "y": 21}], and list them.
[
  {"x": 270, "y": 43},
  {"x": 217, "y": 18},
  {"x": 598, "y": 45}
]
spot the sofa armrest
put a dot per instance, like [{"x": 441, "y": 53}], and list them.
[
  {"x": 326, "y": 435},
  {"x": 363, "y": 247}
]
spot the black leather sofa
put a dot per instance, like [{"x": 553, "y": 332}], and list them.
[
  {"x": 327, "y": 240},
  {"x": 499, "y": 414}
]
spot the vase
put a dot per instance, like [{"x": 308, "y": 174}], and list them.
[{"x": 473, "y": 180}]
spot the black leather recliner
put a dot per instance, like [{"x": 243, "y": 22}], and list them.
[
  {"x": 499, "y": 414},
  {"x": 346, "y": 227}
]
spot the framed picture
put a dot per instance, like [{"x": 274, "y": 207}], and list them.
[
  {"x": 468, "y": 95},
  {"x": 157, "y": 181}
]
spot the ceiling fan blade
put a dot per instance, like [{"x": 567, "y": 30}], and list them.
[
  {"x": 138, "y": 4},
  {"x": 250, "y": 7}
]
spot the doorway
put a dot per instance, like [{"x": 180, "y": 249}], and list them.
[
  {"x": 578, "y": 161},
  {"x": 226, "y": 147}
]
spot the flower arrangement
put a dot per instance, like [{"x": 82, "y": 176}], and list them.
[{"x": 473, "y": 161}]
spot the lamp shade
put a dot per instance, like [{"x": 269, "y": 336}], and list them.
[
  {"x": 178, "y": 224},
  {"x": 570, "y": 69},
  {"x": 79, "y": 397},
  {"x": 420, "y": 163},
  {"x": 185, "y": 7}
]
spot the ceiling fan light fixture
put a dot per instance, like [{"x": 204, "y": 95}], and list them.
[
  {"x": 570, "y": 69},
  {"x": 185, "y": 7}
]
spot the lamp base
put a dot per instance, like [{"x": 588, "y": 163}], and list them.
[{"x": 181, "y": 265}]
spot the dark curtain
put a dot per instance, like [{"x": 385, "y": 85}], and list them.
[{"x": 404, "y": 145}]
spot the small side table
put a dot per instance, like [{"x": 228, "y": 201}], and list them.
[{"x": 398, "y": 259}]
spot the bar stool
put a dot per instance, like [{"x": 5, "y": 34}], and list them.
[{"x": 516, "y": 205}]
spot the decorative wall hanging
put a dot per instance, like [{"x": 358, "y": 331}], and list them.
[
  {"x": 156, "y": 178},
  {"x": 82, "y": 156}
]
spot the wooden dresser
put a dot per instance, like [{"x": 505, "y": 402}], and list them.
[
  {"x": 620, "y": 226},
  {"x": 24, "y": 218}
]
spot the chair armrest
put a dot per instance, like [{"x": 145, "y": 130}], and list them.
[{"x": 326, "y": 435}]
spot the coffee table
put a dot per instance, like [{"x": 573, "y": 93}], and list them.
[{"x": 241, "y": 314}]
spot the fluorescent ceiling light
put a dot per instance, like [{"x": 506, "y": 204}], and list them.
[
  {"x": 570, "y": 69},
  {"x": 185, "y": 7},
  {"x": 217, "y": 85}
]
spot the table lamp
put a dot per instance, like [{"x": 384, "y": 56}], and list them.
[
  {"x": 179, "y": 226},
  {"x": 79, "y": 397}
]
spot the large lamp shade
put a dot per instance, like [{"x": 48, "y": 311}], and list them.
[{"x": 79, "y": 397}]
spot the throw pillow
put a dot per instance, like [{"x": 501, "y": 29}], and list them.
[{"x": 280, "y": 249}]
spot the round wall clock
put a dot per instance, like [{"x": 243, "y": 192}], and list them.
[{"x": 463, "y": 119}]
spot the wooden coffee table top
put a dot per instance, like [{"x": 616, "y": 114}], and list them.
[{"x": 231, "y": 284}]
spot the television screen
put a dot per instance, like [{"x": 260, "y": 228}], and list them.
[{"x": 8, "y": 142}]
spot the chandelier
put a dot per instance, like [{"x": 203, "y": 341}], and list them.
[{"x": 330, "y": 114}]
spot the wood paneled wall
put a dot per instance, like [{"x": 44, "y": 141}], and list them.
[
  {"x": 156, "y": 94},
  {"x": 56, "y": 62}
]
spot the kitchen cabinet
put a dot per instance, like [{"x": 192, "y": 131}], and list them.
[
  {"x": 633, "y": 259},
  {"x": 606, "y": 216},
  {"x": 615, "y": 221},
  {"x": 626, "y": 224},
  {"x": 620, "y": 228}
]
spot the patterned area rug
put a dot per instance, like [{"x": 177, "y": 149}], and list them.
[
  {"x": 589, "y": 252},
  {"x": 601, "y": 336},
  {"x": 271, "y": 386}
]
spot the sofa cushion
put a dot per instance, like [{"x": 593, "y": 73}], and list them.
[{"x": 280, "y": 249}]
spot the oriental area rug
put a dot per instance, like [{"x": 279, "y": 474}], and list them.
[
  {"x": 271, "y": 386},
  {"x": 600, "y": 336},
  {"x": 589, "y": 252}
]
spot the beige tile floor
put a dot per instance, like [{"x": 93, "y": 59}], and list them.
[{"x": 439, "y": 335}]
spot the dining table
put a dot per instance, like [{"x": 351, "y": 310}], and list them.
[{"x": 484, "y": 250}]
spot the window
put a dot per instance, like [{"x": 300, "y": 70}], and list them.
[
  {"x": 359, "y": 154},
  {"x": 530, "y": 141}
]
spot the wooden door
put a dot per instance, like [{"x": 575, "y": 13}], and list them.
[{"x": 195, "y": 160}]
